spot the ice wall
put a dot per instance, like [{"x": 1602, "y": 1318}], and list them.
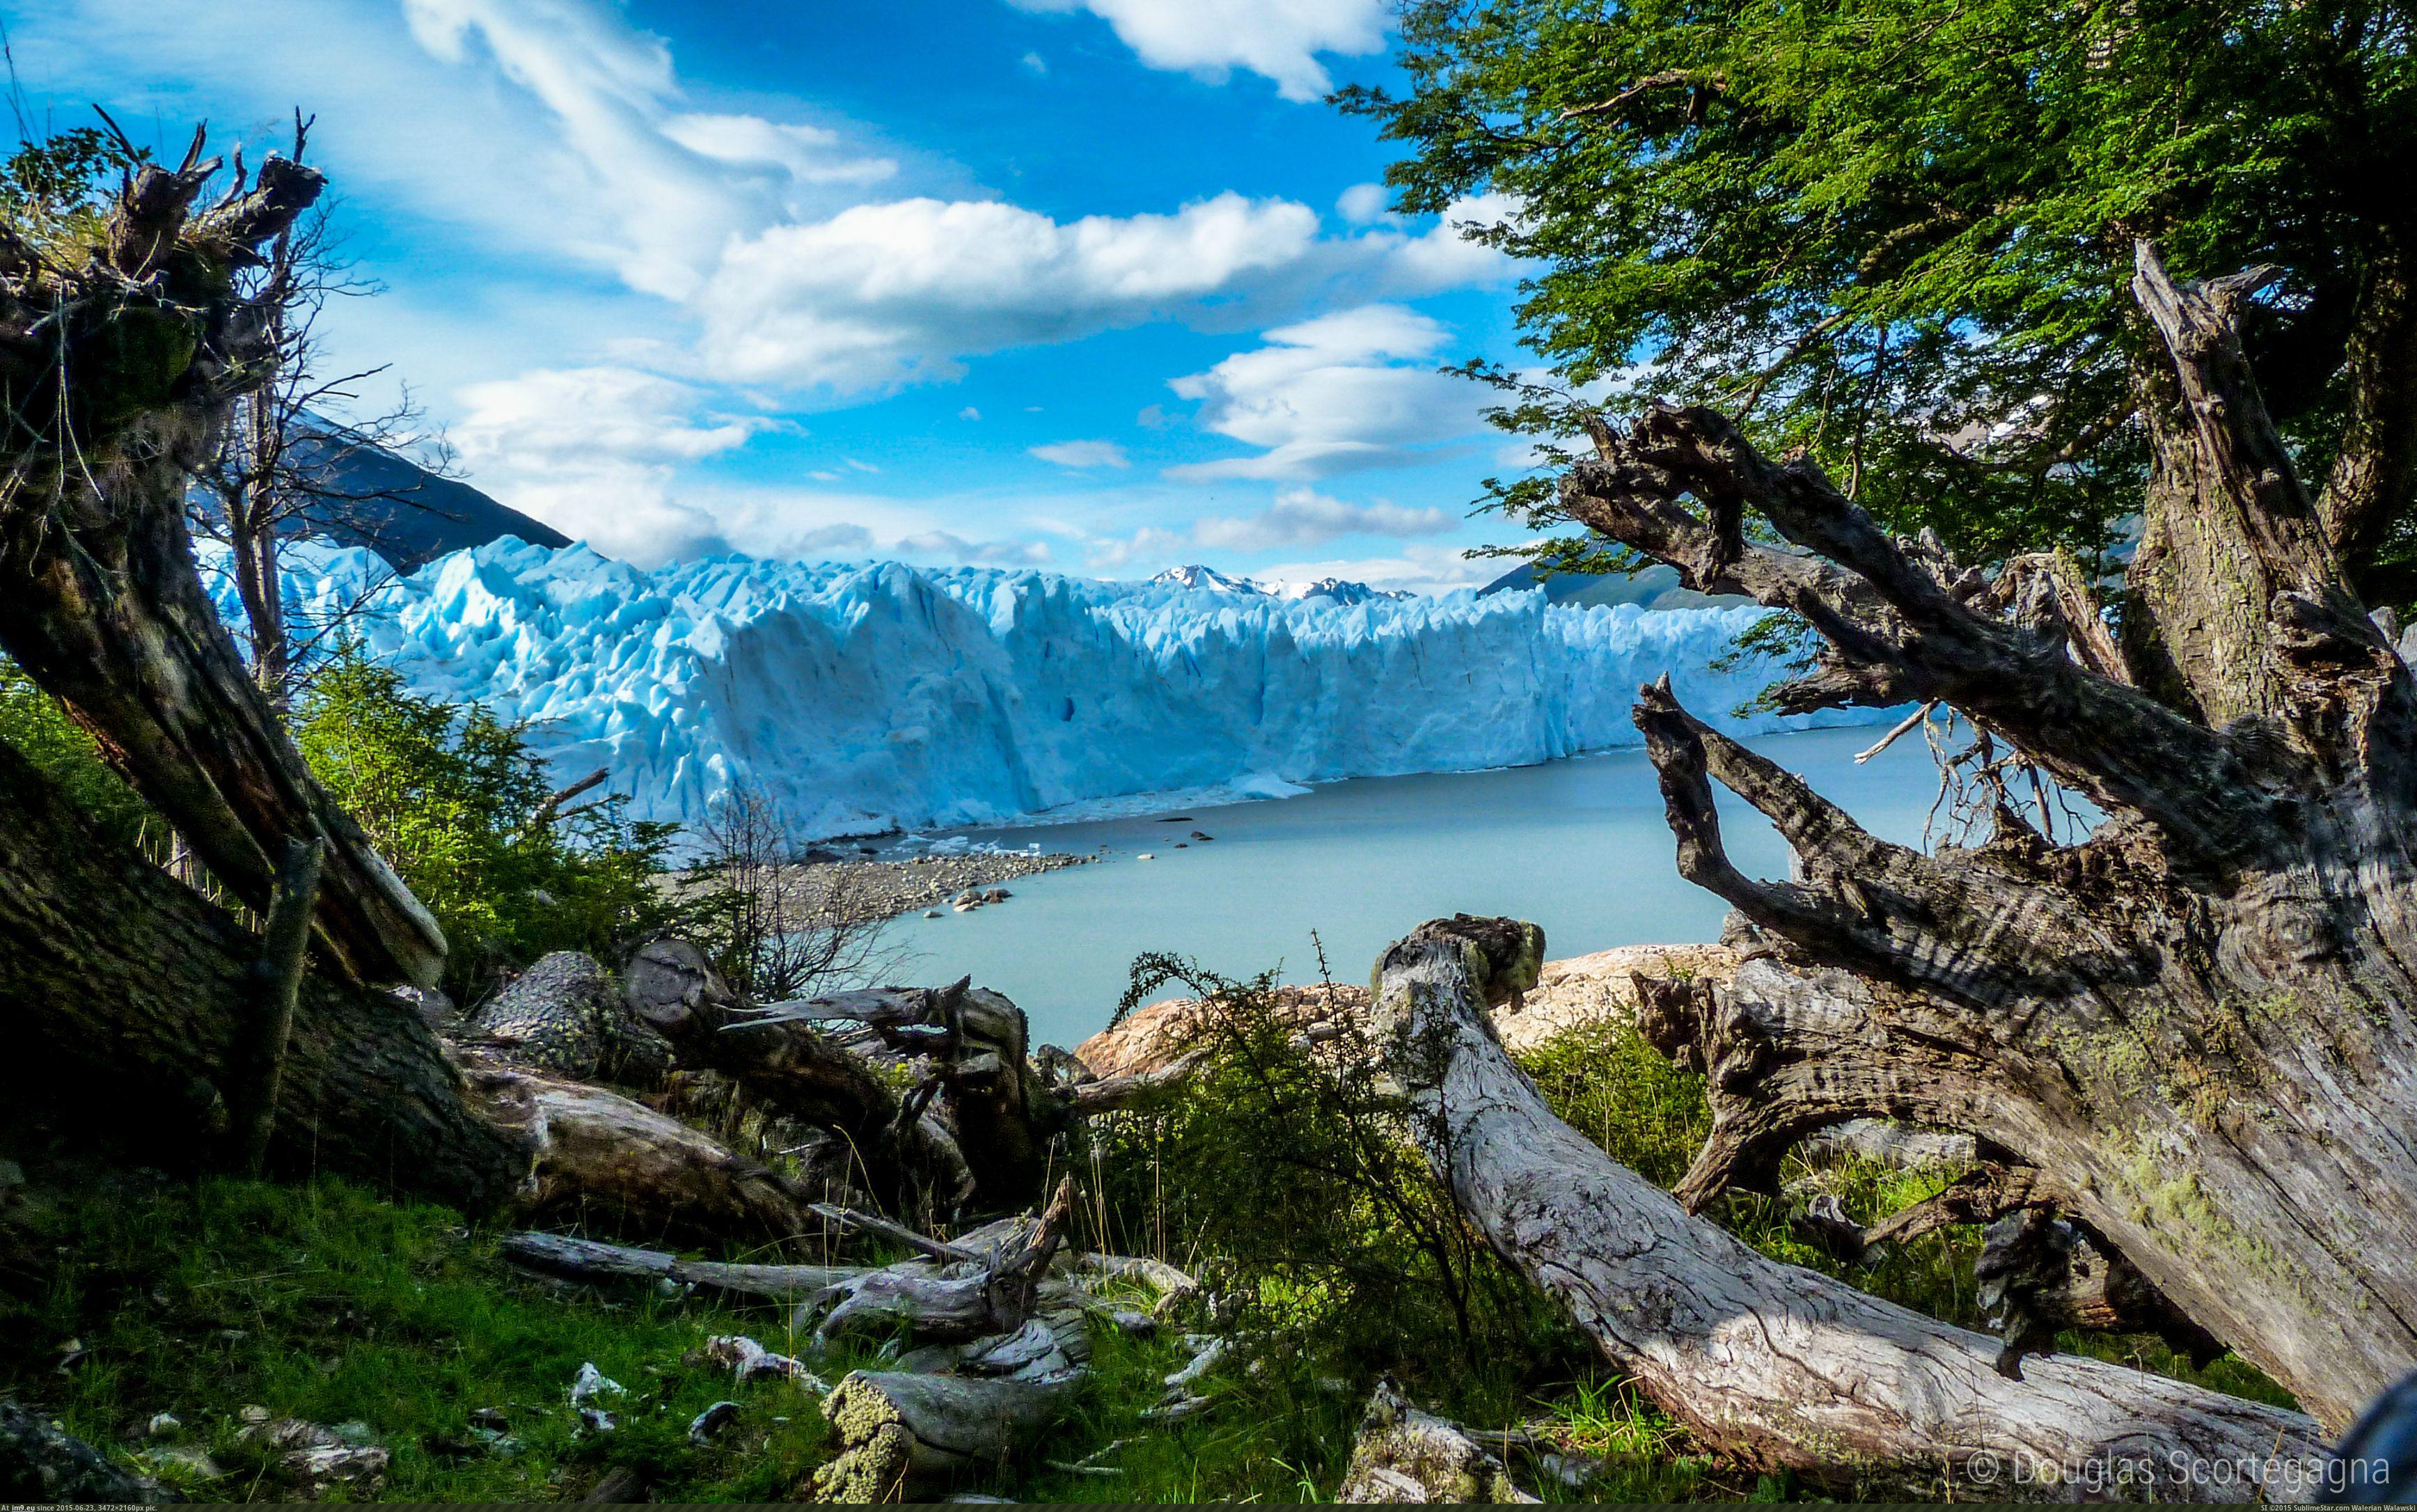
[{"x": 864, "y": 698}]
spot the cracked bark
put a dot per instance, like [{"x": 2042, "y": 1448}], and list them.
[{"x": 2197, "y": 1022}]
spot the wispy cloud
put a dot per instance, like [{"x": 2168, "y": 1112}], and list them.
[
  {"x": 1084, "y": 454},
  {"x": 1278, "y": 39}
]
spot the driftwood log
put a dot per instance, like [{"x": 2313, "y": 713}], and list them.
[
  {"x": 909, "y": 1161},
  {"x": 936, "y": 1307},
  {"x": 120, "y": 367},
  {"x": 1780, "y": 1367},
  {"x": 2200, "y": 1019},
  {"x": 601, "y": 1264}
]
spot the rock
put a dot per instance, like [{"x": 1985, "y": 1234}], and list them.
[
  {"x": 40, "y": 1461},
  {"x": 996, "y": 894},
  {"x": 1408, "y": 1456},
  {"x": 163, "y": 1425},
  {"x": 822, "y": 855},
  {"x": 706, "y": 1425},
  {"x": 428, "y": 1005},
  {"x": 563, "y": 1018},
  {"x": 1144, "y": 856},
  {"x": 933, "y": 913},
  {"x": 1197, "y": 835},
  {"x": 360, "y": 1470}
]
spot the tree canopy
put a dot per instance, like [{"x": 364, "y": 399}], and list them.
[{"x": 1898, "y": 234}]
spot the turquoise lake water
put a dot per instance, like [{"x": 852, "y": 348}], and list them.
[{"x": 1578, "y": 845}]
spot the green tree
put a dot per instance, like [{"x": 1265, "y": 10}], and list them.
[
  {"x": 465, "y": 811},
  {"x": 33, "y": 722},
  {"x": 1898, "y": 234}
]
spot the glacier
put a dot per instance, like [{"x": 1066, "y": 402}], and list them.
[{"x": 870, "y": 698}]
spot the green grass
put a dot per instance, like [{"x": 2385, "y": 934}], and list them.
[{"x": 327, "y": 1302}]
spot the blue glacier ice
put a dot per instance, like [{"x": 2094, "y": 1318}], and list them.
[{"x": 866, "y": 698}]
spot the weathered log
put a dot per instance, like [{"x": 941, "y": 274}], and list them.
[
  {"x": 120, "y": 372},
  {"x": 2040, "y": 1273},
  {"x": 2196, "y": 1020},
  {"x": 902, "y": 1435},
  {"x": 906, "y": 1161},
  {"x": 935, "y": 1306},
  {"x": 597, "y": 1154},
  {"x": 1404, "y": 1455},
  {"x": 1781, "y": 1366},
  {"x": 113, "y": 974},
  {"x": 602, "y": 1264}
]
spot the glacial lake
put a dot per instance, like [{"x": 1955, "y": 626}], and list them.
[{"x": 1578, "y": 845}]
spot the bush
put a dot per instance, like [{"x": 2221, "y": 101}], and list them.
[
  {"x": 33, "y": 722},
  {"x": 1289, "y": 1175},
  {"x": 463, "y": 811}
]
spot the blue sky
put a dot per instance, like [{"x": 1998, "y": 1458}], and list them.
[{"x": 1095, "y": 286}]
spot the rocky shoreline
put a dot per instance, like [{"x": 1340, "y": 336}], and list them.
[{"x": 877, "y": 889}]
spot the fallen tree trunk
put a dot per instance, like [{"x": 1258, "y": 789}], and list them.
[
  {"x": 1781, "y": 1366},
  {"x": 902, "y": 1435},
  {"x": 601, "y": 1264},
  {"x": 114, "y": 975}
]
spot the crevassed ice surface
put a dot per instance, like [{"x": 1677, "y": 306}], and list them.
[{"x": 864, "y": 698}]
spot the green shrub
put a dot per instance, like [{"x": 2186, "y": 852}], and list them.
[
  {"x": 33, "y": 722},
  {"x": 459, "y": 805},
  {"x": 1288, "y": 1175}
]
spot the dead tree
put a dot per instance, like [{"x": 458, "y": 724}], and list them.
[
  {"x": 119, "y": 360},
  {"x": 1781, "y": 1366},
  {"x": 2199, "y": 1023},
  {"x": 284, "y": 465}
]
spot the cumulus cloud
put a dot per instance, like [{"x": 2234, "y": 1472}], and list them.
[
  {"x": 1299, "y": 518},
  {"x": 1303, "y": 517},
  {"x": 1415, "y": 569},
  {"x": 553, "y": 416},
  {"x": 882, "y": 295},
  {"x": 1336, "y": 394},
  {"x": 1278, "y": 39},
  {"x": 1365, "y": 205}
]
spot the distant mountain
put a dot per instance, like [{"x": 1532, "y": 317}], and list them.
[
  {"x": 1206, "y": 579},
  {"x": 404, "y": 512},
  {"x": 1336, "y": 588},
  {"x": 401, "y": 511},
  {"x": 1210, "y": 580},
  {"x": 1655, "y": 587}
]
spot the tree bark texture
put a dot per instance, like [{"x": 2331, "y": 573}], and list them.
[
  {"x": 121, "y": 373},
  {"x": 1781, "y": 1366},
  {"x": 2195, "y": 1022},
  {"x": 131, "y": 1001}
]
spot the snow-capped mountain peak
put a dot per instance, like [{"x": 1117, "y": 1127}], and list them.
[{"x": 1206, "y": 579}]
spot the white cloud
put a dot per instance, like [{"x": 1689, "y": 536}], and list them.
[
  {"x": 672, "y": 185},
  {"x": 969, "y": 413},
  {"x": 883, "y": 294},
  {"x": 1299, "y": 518},
  {"x": 552, "y": 418},
  {"x": 1084, "y": 454},
  {"x": 946, "y": 547},
  {"x": 1303, "y": 517},
  {"x": 1415, "y": 569},
  {"x": 1365, "y": 205},
  {"x": 1279, "y": 38},
  {"x": 1332, "y": 395},
  {"x": 1035, "y": 63}
]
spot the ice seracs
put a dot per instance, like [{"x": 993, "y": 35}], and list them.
[{"x": 863, "y": 698}]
